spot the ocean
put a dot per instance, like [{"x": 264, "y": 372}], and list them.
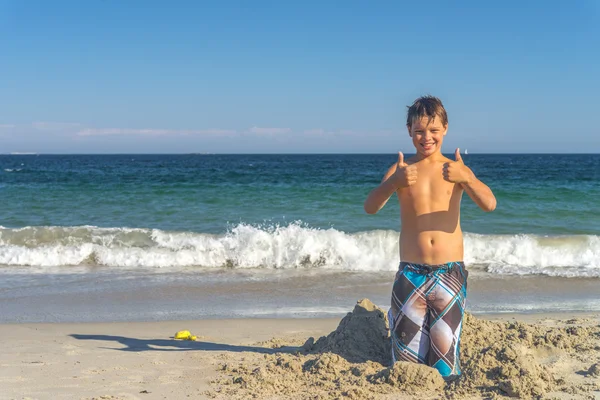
[{"x": 148, "y": 237}]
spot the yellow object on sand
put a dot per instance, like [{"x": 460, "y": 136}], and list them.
[{"x": 185, "y": 335}]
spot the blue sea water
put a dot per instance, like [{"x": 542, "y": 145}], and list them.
[
  {"x": 117, "y": 209},
  {"x": 249, "y": 217}
]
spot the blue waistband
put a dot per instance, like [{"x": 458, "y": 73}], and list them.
[{"x": 427, "y": 268}]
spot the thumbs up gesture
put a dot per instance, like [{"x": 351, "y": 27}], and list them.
[
  {"x": 456, "y": 171},
  {"x": 405, "y": 175}
]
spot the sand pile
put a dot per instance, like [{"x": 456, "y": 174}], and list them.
[
  {"x": 322, "y": 376},
  {"x": 361, "y": 336},
  {"x": 497, "y": 359},
  {"x": 523, "y": 360}
]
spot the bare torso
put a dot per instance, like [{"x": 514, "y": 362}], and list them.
[{"x": 430, "y": 215}]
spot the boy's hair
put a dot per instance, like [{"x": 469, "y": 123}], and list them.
[{"x": 429, "y": 106}]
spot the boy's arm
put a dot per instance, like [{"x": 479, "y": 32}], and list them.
[
  {"x": 382, "y": 193},
  {"x": 398, "y": 175},
  {"x": 479, "y": 192}
]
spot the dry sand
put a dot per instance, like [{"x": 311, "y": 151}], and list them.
[{"x": 295, "y": 359}]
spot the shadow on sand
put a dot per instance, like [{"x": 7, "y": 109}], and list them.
[
  {"x": 361, "y": 336},
  {"x": 138, "y": 345}
]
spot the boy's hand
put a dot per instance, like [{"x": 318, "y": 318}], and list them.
[
  {"x": 405, "y": 175},
  {"x": 457, "y": 171}
]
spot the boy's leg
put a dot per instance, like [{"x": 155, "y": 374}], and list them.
[
  {"x": 408, "y": 317},
  {"x": 447, "y": 305}
]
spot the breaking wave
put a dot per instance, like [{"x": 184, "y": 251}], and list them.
[{"x": 294, "y": 246}]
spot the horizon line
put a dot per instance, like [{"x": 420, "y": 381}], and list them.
[{"x": 282, "y": 153}]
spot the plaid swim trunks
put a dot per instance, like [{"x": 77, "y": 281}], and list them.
[{"x": 427, "y": 308}]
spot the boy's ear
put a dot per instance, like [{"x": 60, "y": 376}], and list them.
[
  {"x": 445, "y": 129},
  {"x": 409, "y": 132}
]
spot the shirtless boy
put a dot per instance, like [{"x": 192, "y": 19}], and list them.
[{"x": 429, "y": 292}]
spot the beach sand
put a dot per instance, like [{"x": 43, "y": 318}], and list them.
[{"x": 518, "y": 355}]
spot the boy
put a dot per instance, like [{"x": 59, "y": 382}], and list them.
[{"x": 428, "y": 296}]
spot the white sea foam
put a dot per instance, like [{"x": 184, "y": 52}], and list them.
[
  {"x": 568, "y": 256},
  {"x": 294, "y": 246}
]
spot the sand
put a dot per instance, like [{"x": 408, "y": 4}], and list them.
[
  {"x": 499, "y": 359},
  {"x": 527, "y": 357}
]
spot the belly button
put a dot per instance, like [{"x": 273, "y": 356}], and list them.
[{"x": 431, "y": 241}]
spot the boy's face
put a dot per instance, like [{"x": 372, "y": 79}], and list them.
[{"x": 427, "y": 135}]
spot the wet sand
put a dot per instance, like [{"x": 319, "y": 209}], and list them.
[{"x": 147, "y": 295}]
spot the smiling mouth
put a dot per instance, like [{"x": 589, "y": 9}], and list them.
[{"x": 427, "y": 146}]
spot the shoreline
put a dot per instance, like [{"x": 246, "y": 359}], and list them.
[
  {"x": 112, "y": 296},
  {"x": 527, "y": 317}
]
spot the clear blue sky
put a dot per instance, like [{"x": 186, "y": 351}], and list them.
[{"x": 110, "y": 76}]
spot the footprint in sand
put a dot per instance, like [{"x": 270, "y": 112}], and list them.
[
  {"x": 34, "y": 363},
  {"x": 172, "y": 378},
  {"x": 12, "y": 379},
  {"x": 93, "y": 371},
  {"x": 72, "y": 350}
]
